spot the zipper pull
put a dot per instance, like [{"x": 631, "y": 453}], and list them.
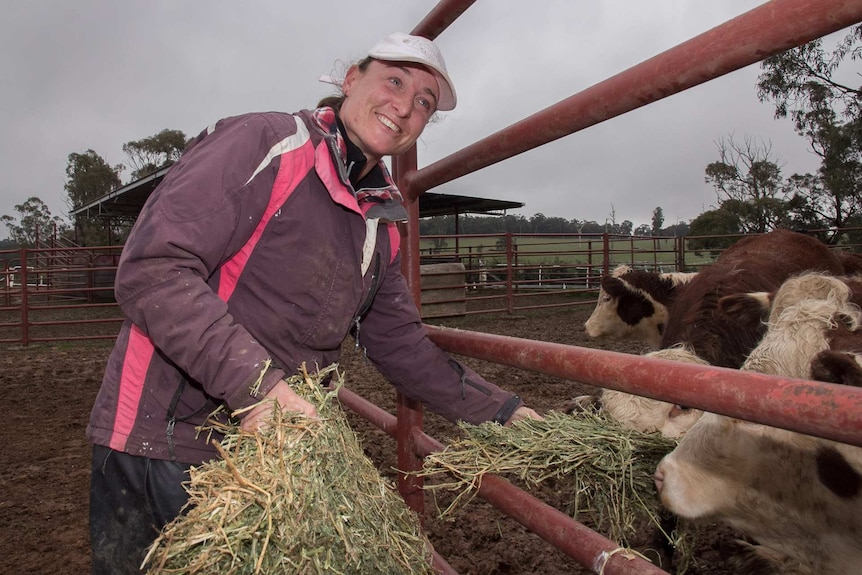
[{"x": 356, "y": 335}]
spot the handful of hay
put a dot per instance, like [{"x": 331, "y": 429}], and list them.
[
  {"x": 299, "y": 497},
  {"x": 608, "y": 469}
]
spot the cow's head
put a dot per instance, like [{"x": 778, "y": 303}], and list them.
[
  {"x": 649, "y": 415},
  {"x": 633, "y": 305},
  {"x": 702, "y": 476}
]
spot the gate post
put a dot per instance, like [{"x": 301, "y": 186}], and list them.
[{"x": 408, "y": 411}]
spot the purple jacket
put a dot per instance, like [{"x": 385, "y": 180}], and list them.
[{"x": 252, "y": 257}]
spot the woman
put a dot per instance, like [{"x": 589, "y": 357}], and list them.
[{"x": 270, "y": 240}]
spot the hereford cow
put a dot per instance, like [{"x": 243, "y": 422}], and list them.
[
  {"x": 633, "y": 305},
  {"x": 813, "y": 327},
  {"x": 754, "y": 264},
  {"x": 642, "y": 413},
  {"x": 799, "y": 497}
]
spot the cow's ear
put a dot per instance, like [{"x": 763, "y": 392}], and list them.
[
  {"x": 747, "y": 309},
  {"x": 613, "y": 286}
]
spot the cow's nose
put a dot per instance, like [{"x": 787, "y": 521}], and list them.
[{"x": 658, "y": 477}]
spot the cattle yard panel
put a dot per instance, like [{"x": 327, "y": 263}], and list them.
[
  {"x": 44, "y": 291},
  {"x": 747, "y": 39}
]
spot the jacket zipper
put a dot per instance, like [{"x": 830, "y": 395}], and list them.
[
  {"x": 375, "y": 285},
  {"x": 462, "y": 374}
]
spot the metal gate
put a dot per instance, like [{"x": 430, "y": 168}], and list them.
[{"x": 798, "y": 405}]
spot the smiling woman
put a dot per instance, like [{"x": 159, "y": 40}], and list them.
[{"x": 270, "y": 240}]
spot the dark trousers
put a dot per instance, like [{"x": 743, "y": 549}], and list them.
[{"x": 131, "y": 499}]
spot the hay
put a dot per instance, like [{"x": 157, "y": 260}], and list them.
[
  {"x": 300, "y": 497},
  {"x": 607, "y": 469}
]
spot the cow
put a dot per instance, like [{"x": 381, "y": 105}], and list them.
[
  {"x": 799, "y": 497},
  {"x": 754, "y": 264},
  {"x": 633, "y": 304},
  {"x": 695, "y": 322},
  {"x": 813, "y": 326},
  {"x": 642, "y": 413}
]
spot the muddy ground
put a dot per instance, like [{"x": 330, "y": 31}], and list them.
[{"x": 48, "y": 389}]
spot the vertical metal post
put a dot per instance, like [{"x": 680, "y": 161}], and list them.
[
  {"x": 25, "y": 305},
  {"x": 408, "y": 411},
  {"x": 510, "y": 296},
  {"x": 606, "y": 254}
]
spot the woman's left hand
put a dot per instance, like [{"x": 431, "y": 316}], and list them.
[{"x": 523, "y": 412}]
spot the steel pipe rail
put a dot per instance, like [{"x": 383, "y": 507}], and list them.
[
  {"x": 767, "y": 30},
  {"x": 569, "y": 536},
  {"x": 825, "y": 410}
]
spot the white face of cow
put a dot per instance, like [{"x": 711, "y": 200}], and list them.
[
  {"x": 648, "y": 415},
  {"x": 607, "y": 322},
  {"x": 696, "y": 480},
  {"x": 795, "y": 494}
]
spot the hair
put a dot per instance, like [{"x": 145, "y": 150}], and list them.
[{"x": 336, "y": 100}]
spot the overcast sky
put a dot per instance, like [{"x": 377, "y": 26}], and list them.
[{"x": 94, "y": 74}]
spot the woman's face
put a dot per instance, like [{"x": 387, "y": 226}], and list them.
[{"x": 387, "y": 106}]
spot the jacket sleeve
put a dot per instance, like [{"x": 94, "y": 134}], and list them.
[
  {"x": 397, "y": 344},
  {"x": 203, "y": 212}
]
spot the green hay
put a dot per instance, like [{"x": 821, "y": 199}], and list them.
[
  {"x": 607, "y": 469},
  {"x": 300, "y": 497}
]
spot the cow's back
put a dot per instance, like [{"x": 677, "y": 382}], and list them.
[{"x": 754, "y": 264}]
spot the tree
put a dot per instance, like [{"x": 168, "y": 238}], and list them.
[
  {"x": 89, "y": 177},
  {"x": 644, "y": 230},
  {"x": 719, "y": 222},
  {"x": 34, "y": 223},
  {"x": 749, "y": 182},
  {"x": 657, "y": 220},
  {"x": 803, "y": 84},
  {"x": 151, "y": 154}
]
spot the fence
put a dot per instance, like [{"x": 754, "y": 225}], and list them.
[
  {"x": 43, "y": 292},
  {"x": 780, "y": 25},
  {"x": 802, "y": 406}
]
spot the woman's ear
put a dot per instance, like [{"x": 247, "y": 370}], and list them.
[{"x": 352, "y": 73}]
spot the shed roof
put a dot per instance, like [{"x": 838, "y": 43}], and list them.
[{"x": 127, "y": 201}]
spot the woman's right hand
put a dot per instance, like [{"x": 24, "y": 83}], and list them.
[{"x": 259, "y": 417}]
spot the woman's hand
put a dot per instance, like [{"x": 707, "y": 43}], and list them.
[
  {"x": 258, "y": 418},
  {"x": 523, "y": 412}
]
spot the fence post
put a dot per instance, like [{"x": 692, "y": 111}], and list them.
[
  {"x": 606, "y": 254},
  {"x": 25, "y": 320},
  {"x": 409, "y": 411},
  {"x": 510, "y": 295}
]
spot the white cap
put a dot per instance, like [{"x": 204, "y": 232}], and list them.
[{"x": 400, "y": 47}]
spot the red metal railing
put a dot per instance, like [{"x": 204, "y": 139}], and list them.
[{"x": 764, "y": 31}]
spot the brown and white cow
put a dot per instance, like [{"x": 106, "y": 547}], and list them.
[
  {"x": 633, "y": 304},
  {"x": 643, "y": 413},
  {"x": 813, "y": 327},
  {"x": 754, "y": 264},
  {"x": 799, "y": 497}
]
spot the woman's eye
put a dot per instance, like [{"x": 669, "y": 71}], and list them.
[
  {"x": 395, "y": 81},
  {"x": 424, "y": 102}
]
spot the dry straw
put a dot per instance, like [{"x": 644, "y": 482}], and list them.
[
  {"x": 607, "y": 469},
  {"x": 300, "y": 497}
]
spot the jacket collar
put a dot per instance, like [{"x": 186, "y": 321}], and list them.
[{"x": 376, "y": 193}]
